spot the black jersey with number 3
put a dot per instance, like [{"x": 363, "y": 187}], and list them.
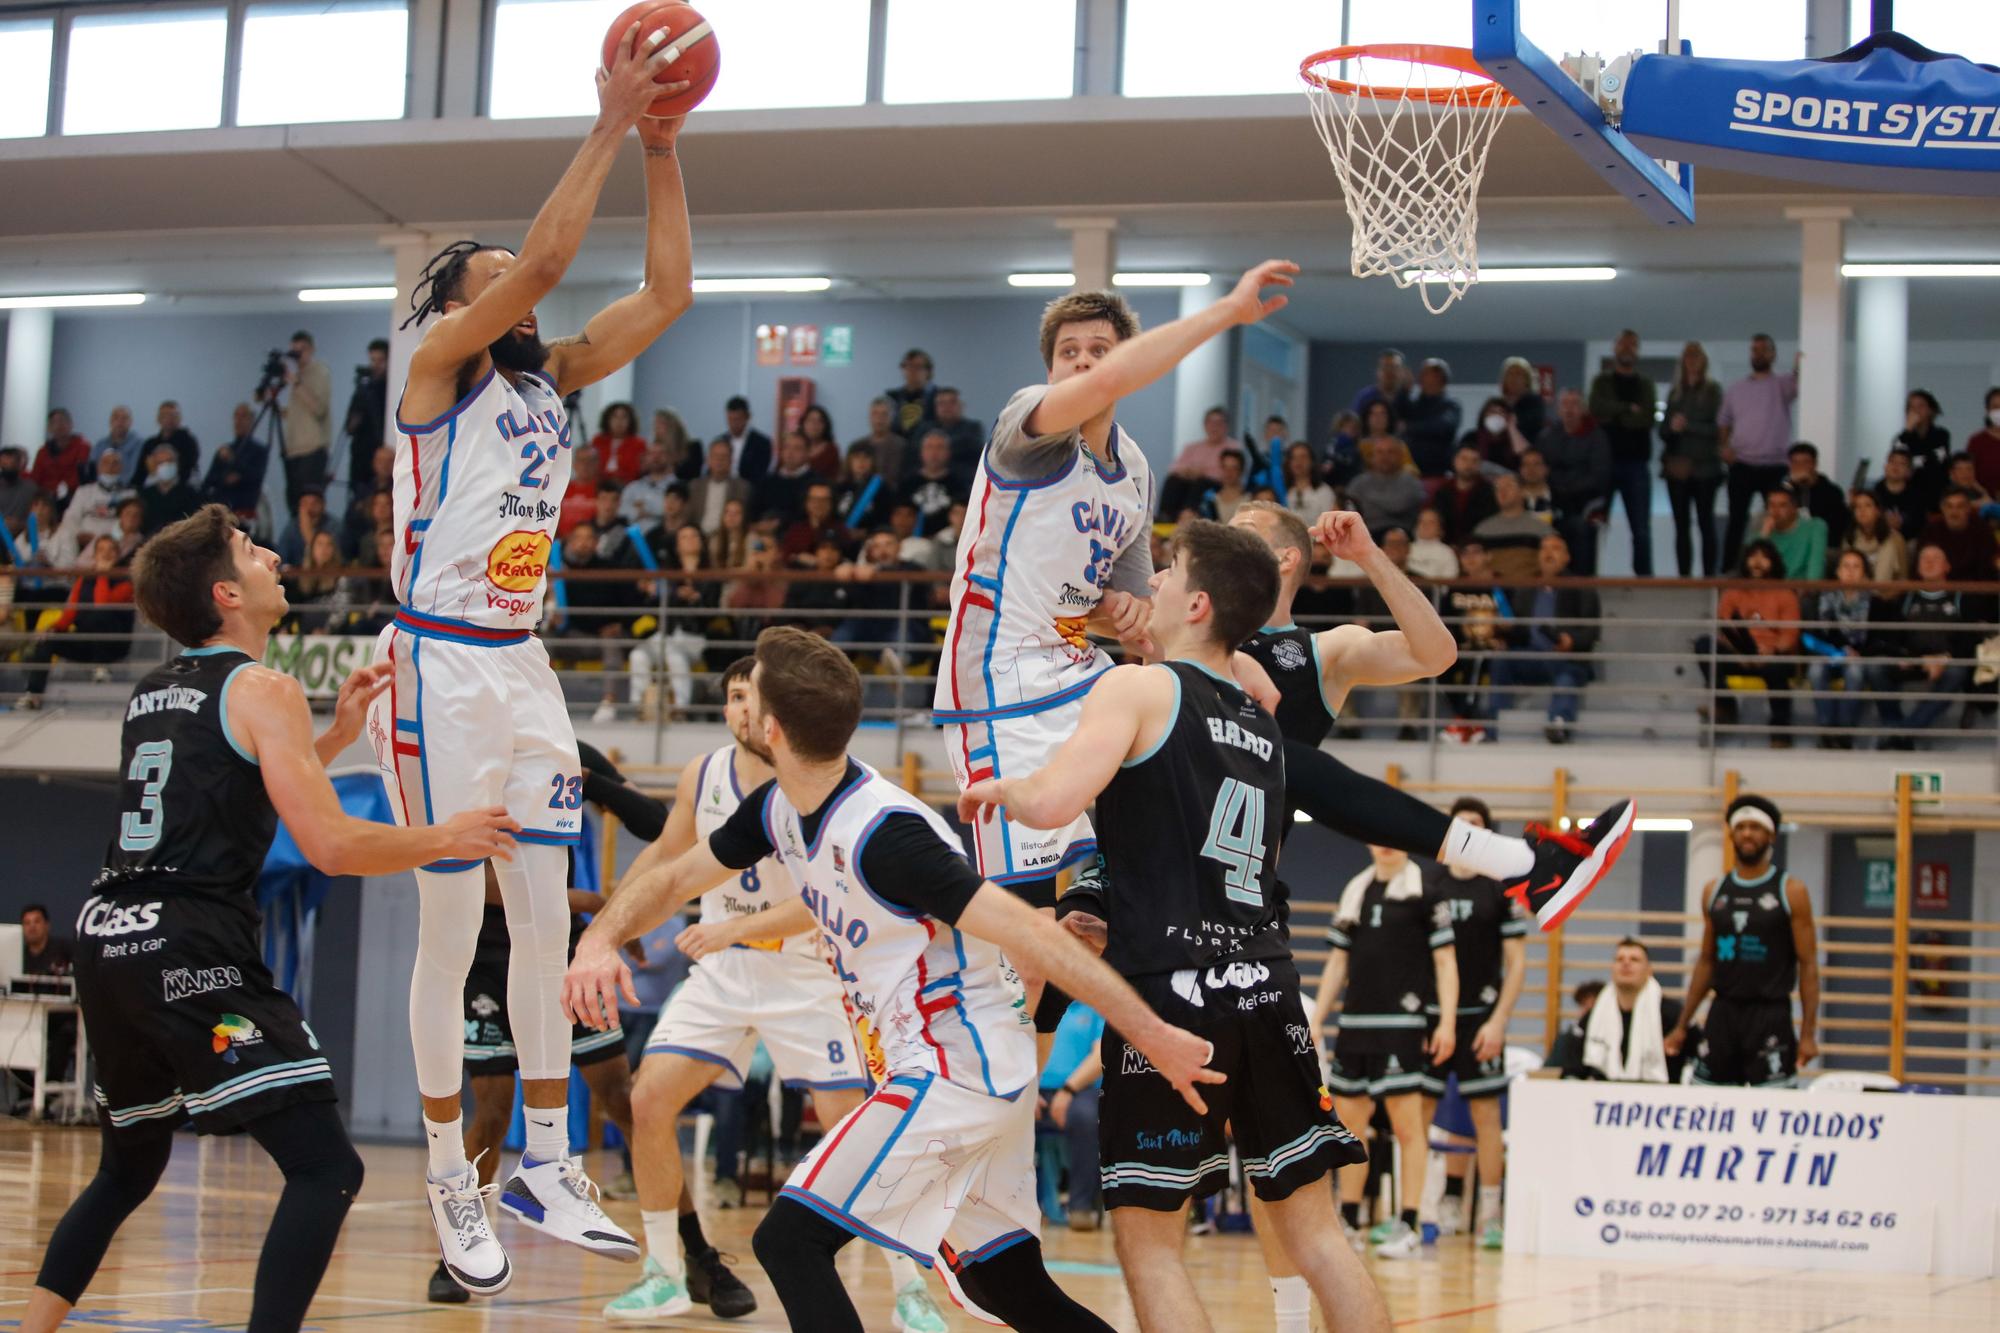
[
  {"x": 193, "y": 814},
  {"x": 1289, "y": 656},
  {"x": 1189, "y": 833}
]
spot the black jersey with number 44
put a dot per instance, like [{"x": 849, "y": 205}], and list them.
[
  {"x": 1290, "y": 656},
  {"x": 193, "y": 814},
  {"x": 1189, "y": 833}
]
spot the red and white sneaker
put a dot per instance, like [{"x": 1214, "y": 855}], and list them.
[{"x": 1569, "y": 865}]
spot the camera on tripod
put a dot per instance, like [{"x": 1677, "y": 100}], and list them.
[{"x": 273, "y": 376}]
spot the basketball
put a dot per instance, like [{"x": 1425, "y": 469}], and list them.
[{"x": 700, "y": 59}]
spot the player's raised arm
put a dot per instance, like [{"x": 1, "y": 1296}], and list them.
[
  {"x": 1136, "y": 363},
  {"x": 1127, "y": 710},
  {"x": 464, "y": 331},
  {"x": 616, "y": 335},
  {"x": 1418, "y": 648}
]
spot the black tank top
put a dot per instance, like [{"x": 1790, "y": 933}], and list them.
[
  {"x": 1289, "y": 655},
  {"x": 193, "y": 814},
  {"x": 1754, "y": 957},
  {"x": 1189, "y": 834}
]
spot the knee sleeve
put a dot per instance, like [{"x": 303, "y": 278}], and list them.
[
  {"x": 535, "y": 888},
  {"x": 130, "y": 1163},
  {"x": 1014, "y": 1285},
  {"x": 450, "y": 904},
  {"x": 796, "y": 1247}
]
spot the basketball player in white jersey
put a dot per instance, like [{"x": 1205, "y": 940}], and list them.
[
  {"x": 758, "y": 974},
  {"x": 475, "y": 715},
  {"x": 1055, "y": 548},
  {"x": 939, "y": 1161}
]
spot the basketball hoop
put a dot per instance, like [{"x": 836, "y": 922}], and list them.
[{"x": 1410, "y": 149}]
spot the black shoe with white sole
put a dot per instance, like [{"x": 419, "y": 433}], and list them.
[
  {"x": 445, "y": 1291},
  {"x": 1569, "y": 865}
]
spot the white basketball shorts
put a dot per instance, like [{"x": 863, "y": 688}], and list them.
[
  {"x": 792, "y": 1001},
  {"x": 1004, "y": 850}
]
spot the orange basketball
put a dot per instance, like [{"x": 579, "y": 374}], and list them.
[{"x": 699, "y": 60}]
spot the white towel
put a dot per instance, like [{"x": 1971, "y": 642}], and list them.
[
  {"x": 1408, "y": 883},
  {"x": 1604, "y": 1038}
]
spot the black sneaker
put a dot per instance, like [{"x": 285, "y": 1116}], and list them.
[
  {"x": 444, "y": 1291},
  {"x": 1569, "y": 865},
  {"x": 711, "y": 1283}
]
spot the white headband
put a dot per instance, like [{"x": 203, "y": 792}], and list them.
[{"x": 1750, "y": 814}]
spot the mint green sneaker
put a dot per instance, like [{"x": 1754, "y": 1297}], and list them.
[
  {"x": 916, "y": 1312},
  {"x": 1492, "y": 1236},
  {"x": 1380, "y": 1231},
  {"x": 651, "y": 1299}
]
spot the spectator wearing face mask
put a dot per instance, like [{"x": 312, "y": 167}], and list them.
[
  {"x": 1496, "y": 437},
  {"x": 167, "y": 497},
  {"x": 1984, "y": 446}
]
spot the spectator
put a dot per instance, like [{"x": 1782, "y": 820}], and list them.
[
  {"x": 873, "y": 604},
  {"x": 614, "y": 534},
  {"x": 1897, "y": 494},
  {"x": 715, "y": 488},
  {"x": 657, "y": 536},
  {"x": 749, "y": 448},
  {"x": 914, "y": 401},
  {"x": 1756, "y": 426},
  {"x": 1535, "y": 492},
  {"x": 1476, "y": 608},
  {"x": 968, "y": 437},
  {"x": 820, "y": 605},
  {"x": 1511, "y": 536},
  {"x": 308, "y": 519},
  {"x": 1756, "y": 627},
  {"x": 729, "y": 544},
  {"x": 1579, "y": 460},
  {"x": 1430, "y": 556},
  {"x": 1377, "y": 437},
  {"x": 1305, "y": 494},
  {"x": 1838, "y": 643},
  {"x": 1567, "y": 1048},
  {"x": 1801, "y": 540},
  {"x": 381, "y": 476},
  {"x": 1814, "y": 494},
  {"x": 1465, "y": 501},
  {"x": 1691, "y": 458},
  {"x": 1343, "y": 449},
  {"x": 579, "y": 501},
  {"x": 596, "y": 608},
  {"x": 884, "y": 440},
  {"x": 377, "y": 515},
  {"x": 1524, "y": 400},
  {"x": 1385, "y": 494},
  {"x": 1965, "y": 538},
  {"x": 36, "y": 546},
  {"x": 1558, "y": 629},
  {"x": 313, "y": 587},
  {"x": 127, "y": 441},
  {"x": 43, "y": 954},
  {"x": 1880, "y": 545},
  {"x": 816, "y": 523},
  {"x": 1071, "y": 1082},
  {"x": 1498, "y": 440},
  {"x": 236, "y": 470},
  {"x": 822, "y": 445},
  {"x": 936, "y": 486},
  {"x": 1392, "y": 380},
  {"x": 374, "y": 595},
  {"x": 644, "y": 498},
  {"x": 1925, "y": 631},
  {"x": 308, "y": 414},
  {"x": 187, "y": 450},
  {"x": 1225, "y": 498},
  {"x": 862, "y": 499},
  {"x": 1964, "y": 474},
  {"x": 1198, "y": 466},
  {"x": 1928, "y": 444},
  {"x": 1430, "y": 418},
  {"x": 781, "y": 496},
  {"x": 366, "y": 423},
  {"x": 682, "y": 639},
  {"x": 756, "y": 590},
  {"x": 671, "y": 433},
  {"x": 63, "y": 462},
  {"x": 913, "y": 548},
  {"x": 1984, "y": 446},
  {"x": 131, "y": 532},
  {"x": 93, "y": 511},
  {"x": 100, "y": 604},
  {"x": 1625, "y": 1026},
  {"x": 167, "y": 498},
  {"x": 621, "y": 453},
  {"x": 1624, "y": 401}
]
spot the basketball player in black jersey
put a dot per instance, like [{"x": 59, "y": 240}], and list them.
[
  {"x": 1548, "y": 873},
  {"x": 1757, "y": 941},
  {"x": 184, "y": 1018},
  {"x": 1189, "y": 778}
]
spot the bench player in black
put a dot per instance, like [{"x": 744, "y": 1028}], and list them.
[
  {"x": 1189, "y": 778},
  {"x": 1757, "y": 941},
  {"x": 183, "y": 1016},
  {"x": 1548, "y": 872}
]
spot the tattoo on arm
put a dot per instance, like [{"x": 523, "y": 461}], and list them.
[
  {"x": 658, "y": 150},
  {"x": 575, "y": 340}
]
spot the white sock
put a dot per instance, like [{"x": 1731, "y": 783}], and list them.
[
  {"x": 1291, "y": 1303},
  {"x": 1484, "y": 852},
  {"x": 548, "y": 1132},
  {"x": 902, "y": 1269},
  {"x": 663, "y": 1241},
  {"x": 1489, "y": 1204},
  {"x": 446, "y": 1141}
]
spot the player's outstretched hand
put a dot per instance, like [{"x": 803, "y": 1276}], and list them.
[
  {"x": 980, "y": 801},
  {"x": 475, "y": 835},
  {"x": 1248, "y": 302},
  {"x": 626, "y": 89},
  {"x": 1344, "y": 533},
  {"x": 350, "y": 710},
  {"x": 597, "y": 976},
  {"x": 1181, "y": 1058}
]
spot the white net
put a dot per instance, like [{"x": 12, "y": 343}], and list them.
[{"x": 1408, "y": 141}]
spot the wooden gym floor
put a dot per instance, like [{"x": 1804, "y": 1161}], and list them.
[{"x": 185, "y": 1262}]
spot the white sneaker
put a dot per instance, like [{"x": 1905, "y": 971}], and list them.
[
  {"x": 1401, "y": 1243},
  {"x": 1357, "y": 1239},
  {"x": 472, "y": 1256},
  {"x": 558, "y": 1198},
  {"x": 1451, "y": 1215},
  {"x": 606, "y": 712}
]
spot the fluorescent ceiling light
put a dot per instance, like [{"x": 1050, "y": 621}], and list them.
[
  {"x": 762, "y": 284},
  {"x": 1041, "y": 279},
  {"x": 1643, "y": 825},
  {"x": 348, "y": 294},
  {"x": 1160, "y": 279},
  {"x": 71, "y": 302},
  {"x": 1920, "y": 270},
  {"x": 1586, "y": 274}
]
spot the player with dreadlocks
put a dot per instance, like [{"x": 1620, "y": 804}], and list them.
[{"x": 474, "y": 716}]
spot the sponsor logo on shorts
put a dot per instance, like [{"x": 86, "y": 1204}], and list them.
[
  {"x": 1240, "y": 976},
  {"x": 1411, "y": 1002},
  {"x": 180, "y": 982},
  {"x": 1288, "y": 654},
  {"x": 104, "y": 920},
  {"x": 1132, "y": 1061},
  {"x": 1173, "y": 1138},
  {"x": 484, "y": 1005},
  {"x": 1302, "y": 1038},
  {"x": 232, "y": 1032}
]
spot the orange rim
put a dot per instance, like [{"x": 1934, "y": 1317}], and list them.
[{"x": 1455, "y": 58}]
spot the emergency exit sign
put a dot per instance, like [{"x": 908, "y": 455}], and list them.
[{"x": 1923, "y": 786}]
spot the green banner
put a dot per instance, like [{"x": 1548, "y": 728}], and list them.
[{"x": 319, "y": 662}]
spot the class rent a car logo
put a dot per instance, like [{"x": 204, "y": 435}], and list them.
[{"x": 233, "y": 1031}]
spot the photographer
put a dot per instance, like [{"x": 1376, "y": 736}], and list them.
[
  {"x": 367, "y": 412},
  {"x": 307, "y": 413}
]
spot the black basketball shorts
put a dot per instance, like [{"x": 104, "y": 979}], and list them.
[
  {"x": 183, "y": 1017},
  {"x": 489, "y": 1036},
  {"x": 1381, "y": 1062},
  {"x": 1748, "y": 1043},
  {"x": 1157, "y": 1152},
  {"x": 1476, "y": 1078}
]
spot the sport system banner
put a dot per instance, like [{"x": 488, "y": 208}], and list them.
[{"x": 1738, "y": 1176}]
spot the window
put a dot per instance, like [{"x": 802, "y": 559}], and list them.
[
  {"x": 1183, "y": 48},
  {"x": 1766, "y": 30},
  {"x": 775, "y": 53},
  {"x": 1952, "y": 26},
  {"x": 980, "y": 53},
  {"x": 26, "y": 48},
  {"x": 159, "y": 70},
  {"x": 360, "y": 55}
]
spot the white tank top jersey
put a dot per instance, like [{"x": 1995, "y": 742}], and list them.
[
  {"x": 1048, "y": 532},
  {"x": 747, "y": 892},
  {"x": 924, "y": 996},
  {"x": 477, "y": 494}
]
